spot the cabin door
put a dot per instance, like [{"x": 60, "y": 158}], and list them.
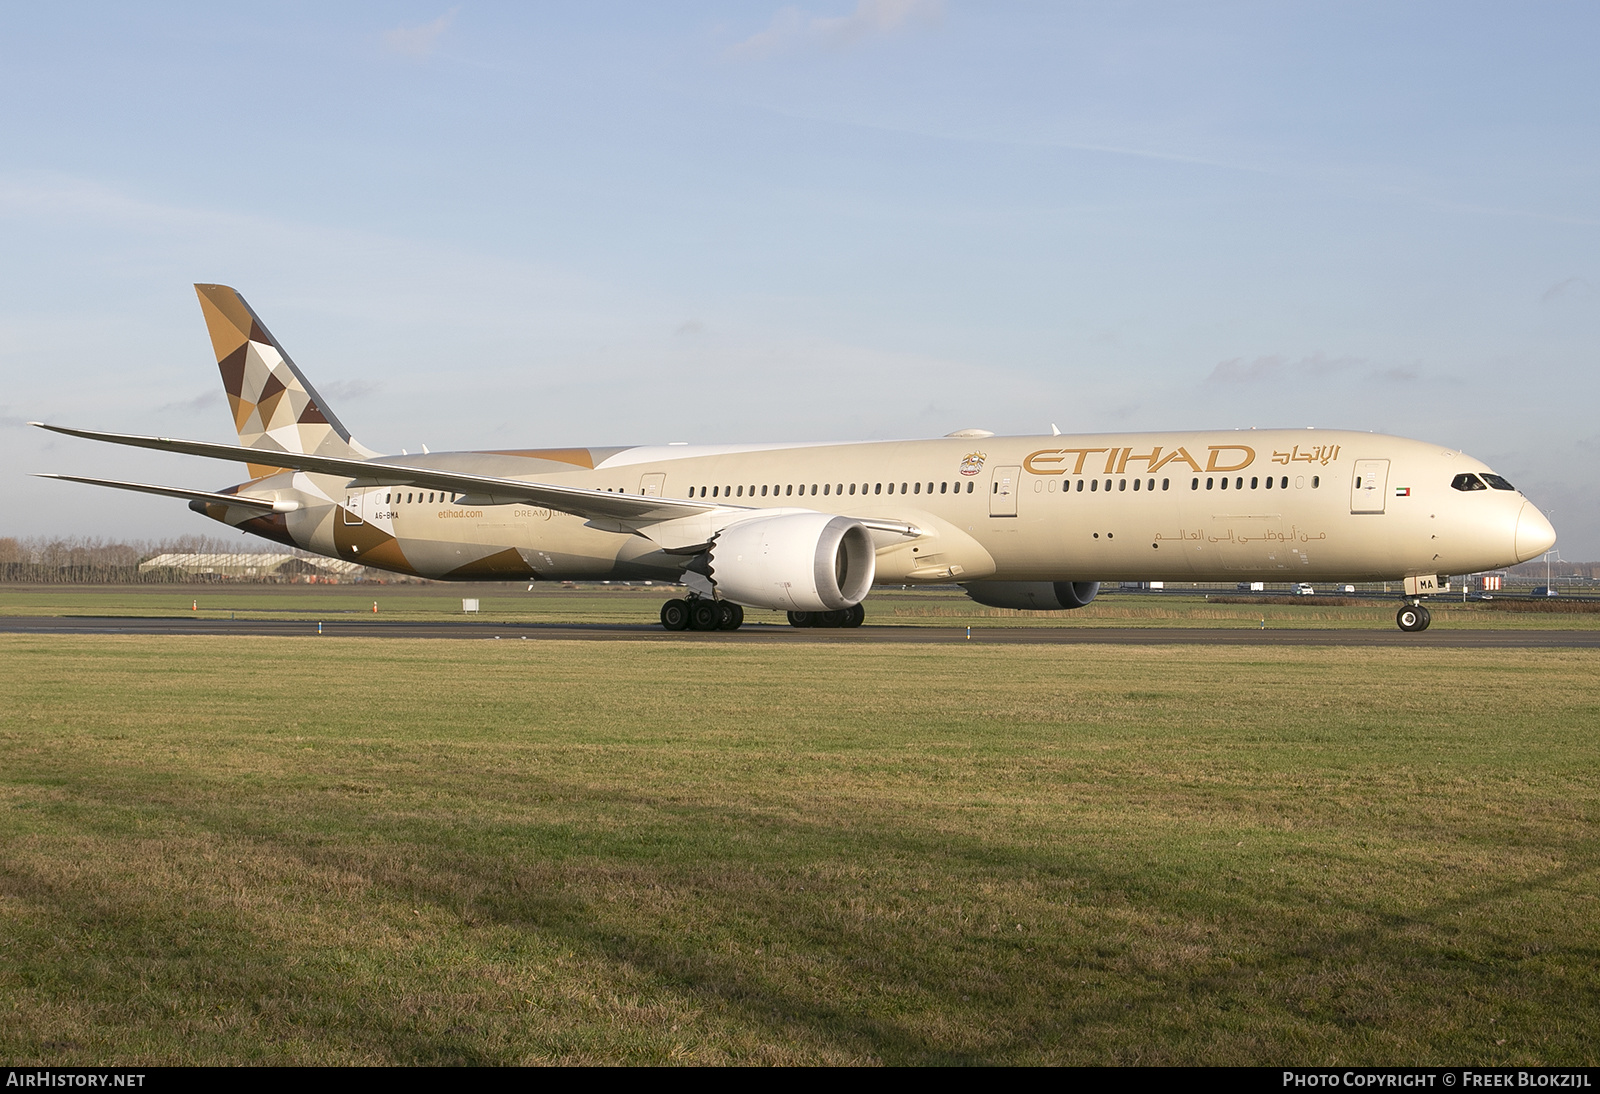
[
  {"x": 1003, "y": 491},
  {"x": 352, "y": 507},
  {"x": 1369, "y": 486},
  {"x": 653, "y": 484}
]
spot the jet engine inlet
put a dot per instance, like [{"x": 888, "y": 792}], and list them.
[{"x": 802, "y": 562}]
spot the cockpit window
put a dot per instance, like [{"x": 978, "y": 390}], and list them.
[
  {"x": 1497, "y": 482},
  {"x": 1467, "y": 482}
]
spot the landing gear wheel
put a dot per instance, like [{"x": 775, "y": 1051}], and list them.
[
  {"x": 704, "y": 615},
  {"x": 832, "y": 619},
  {"x": 802, "y": 619},
  {"x": 857, "y": 616},
  {"x": 1413, "y": 617},
  {"x": 730, "y": 617},
  {"x": 675, "y": 615}
]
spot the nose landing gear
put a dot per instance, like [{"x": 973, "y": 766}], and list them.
[
  {"x": 1413, "y": 617},
  {"x": 699, "y": 614}
]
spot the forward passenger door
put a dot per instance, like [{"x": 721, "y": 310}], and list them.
[{"x": 1369, "y": 486}]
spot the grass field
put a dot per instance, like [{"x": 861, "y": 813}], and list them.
[
  {"x": 501, "y": 603},
  {"x": 328, "y": 851}
]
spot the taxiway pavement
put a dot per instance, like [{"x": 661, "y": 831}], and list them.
[{"x": 1441, "y": 638}]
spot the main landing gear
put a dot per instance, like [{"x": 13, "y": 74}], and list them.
[
  {"x": 852, "y": 616},
  {"x": 1413, "y": 617},
  {"x": 699, "y": 614}
]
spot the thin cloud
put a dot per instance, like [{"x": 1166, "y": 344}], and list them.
[
  {"x": 418, "y": 42},
  {"x": 1572, "y": 286},
  {"x": 1237, "y": 370},
  {"x": 199, "y": 402},
  {"x": 349, "y": 389},
  {"x": 792, "y": 27}
]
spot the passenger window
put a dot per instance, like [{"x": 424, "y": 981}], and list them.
[
  {"x": 408, "y": 498},
  {"x": 1094, "y": 484},
  {"x": 1283, "y": 483},
  {"x": 1224, "y": 482},
  {"x": 1209, "y": 483},
  {"x": 825, "y": 489},
  {"x": 1122, "y": 484},
  {"x": 969, "y": 486},
  {"x": 1269, "y": 482},
  {"x": 788, "y": 490},
  {"x": 902, "y": 488},
  {"x": 930, "y": 488},
  {"x": 1316, "y": 481},
  {"x": 877, "y": 488},
  {"x": 838, "y": 488},
  {"x": 918, "y": 490},
  {"x": 1254, "y": 482},
  {"x": 1460, "y": 482},
  {"x": 1497, "y": 482},
  {"x": 852, "y": 488},
  {"x": 1194, "y": 484},
  {"x": 944, "y": 487},
  {"x": 1165, "y": 483}
]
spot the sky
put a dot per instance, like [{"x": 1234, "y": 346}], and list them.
[{"x": 483, "y": 225}]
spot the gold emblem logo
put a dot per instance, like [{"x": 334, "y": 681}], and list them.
[{"x": 972, "y": 462}]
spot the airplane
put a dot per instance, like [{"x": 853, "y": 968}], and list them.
[{"x": 1033, "y": 522}]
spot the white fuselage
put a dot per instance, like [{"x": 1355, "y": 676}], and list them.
[{"x": 1279, "y": 505}]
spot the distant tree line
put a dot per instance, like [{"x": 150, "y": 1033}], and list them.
[{"x": 91, "y": 561}]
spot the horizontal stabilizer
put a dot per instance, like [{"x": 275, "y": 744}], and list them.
[{"x": 266, "y": 505}]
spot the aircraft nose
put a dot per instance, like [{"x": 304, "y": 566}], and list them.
[{"x": 1535, "y": 534}]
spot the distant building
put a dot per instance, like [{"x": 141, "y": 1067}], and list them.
[{"x": 281, "y": 566}]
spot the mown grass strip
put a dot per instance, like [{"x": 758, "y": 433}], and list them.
[{"x": 285, "y": 850}]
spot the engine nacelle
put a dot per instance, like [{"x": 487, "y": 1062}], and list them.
[
  {"x": 1040, "y": 596},
  {"x": 799, "y": 562}
]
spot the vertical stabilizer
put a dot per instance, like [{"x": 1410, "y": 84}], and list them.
[{"x": 274, "y": 406}]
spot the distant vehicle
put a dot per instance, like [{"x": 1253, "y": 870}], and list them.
[
  {"x": 1349, "y": 588},
  {"x": 1252, "y": 586},
  {"x": 1302, "y": 589},
  {"x": 1545, "y": 590}
]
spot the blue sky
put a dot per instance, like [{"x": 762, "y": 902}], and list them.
[{"x": 480, "y": 225}]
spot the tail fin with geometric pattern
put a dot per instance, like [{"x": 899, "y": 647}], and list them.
[{"x": 274, "y": 406}]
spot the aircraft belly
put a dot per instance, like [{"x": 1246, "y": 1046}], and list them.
[{"x": 522, "y": 543}]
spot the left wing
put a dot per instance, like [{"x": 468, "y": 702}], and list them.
[
  {"x": 266, "y": 505},
  {"x": 480, "y": 489}
]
